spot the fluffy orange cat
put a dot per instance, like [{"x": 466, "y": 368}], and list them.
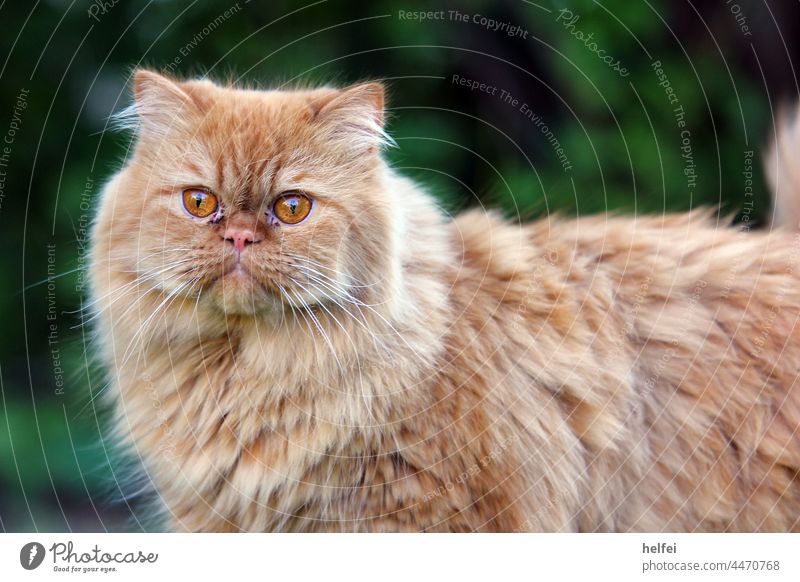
[{"x": 298, "y": 339}]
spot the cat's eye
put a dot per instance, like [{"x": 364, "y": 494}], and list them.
[
  {"x": 200, "y": 203},
  {"x": 292, "y": 207}
]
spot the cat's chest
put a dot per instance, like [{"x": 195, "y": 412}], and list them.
[{"x": 220, "y": 433}]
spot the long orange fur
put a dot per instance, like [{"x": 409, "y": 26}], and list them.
[{"x": 382, "y": 367}]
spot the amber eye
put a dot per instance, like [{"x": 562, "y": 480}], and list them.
[
  {"x": 199, "y": 203},
  {"x": 292, "y": 207}
]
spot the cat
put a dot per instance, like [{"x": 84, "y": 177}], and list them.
[{"x": 299, "y": 339}]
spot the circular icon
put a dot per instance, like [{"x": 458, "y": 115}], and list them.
[{"x": 31, "y": 555}]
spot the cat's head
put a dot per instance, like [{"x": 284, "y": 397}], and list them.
[{"x": 252, "y": 199}]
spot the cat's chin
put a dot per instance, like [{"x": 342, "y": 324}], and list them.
[{"x": 239, "y": 293}]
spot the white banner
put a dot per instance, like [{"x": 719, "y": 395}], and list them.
[{"x": 401, "y": 557}]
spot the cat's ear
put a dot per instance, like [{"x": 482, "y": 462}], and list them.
[
  {"x": 354, "y": 115},
  {"x": 161, "y": 105}
]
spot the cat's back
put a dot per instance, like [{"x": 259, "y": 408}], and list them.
[
  {"x": 676, "y": 333},
  {"x": 667, "y": 257}
]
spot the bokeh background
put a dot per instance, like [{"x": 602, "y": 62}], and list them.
[{"x": 584, "y": 136}]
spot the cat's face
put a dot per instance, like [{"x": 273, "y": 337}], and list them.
[{"x": 253, "y": 200}]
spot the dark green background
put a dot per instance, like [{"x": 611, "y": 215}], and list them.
[{"x": 619, "y": 134}]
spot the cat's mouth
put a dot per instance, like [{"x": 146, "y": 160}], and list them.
[
  {"x": 238, "y": 290},
  {"x": 238, "y": 276},
  {"x": 237, "y": 273}
]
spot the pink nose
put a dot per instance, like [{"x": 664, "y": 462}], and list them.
[{"x": 240, "y": 237}]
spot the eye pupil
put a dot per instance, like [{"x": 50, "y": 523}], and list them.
[
  {"x": 292, "y": 207},
  {"x": 199, "y": 203}
]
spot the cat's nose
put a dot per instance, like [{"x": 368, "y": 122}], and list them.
[{"x": 240, "y": 237}]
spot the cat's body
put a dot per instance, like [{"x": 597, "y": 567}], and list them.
[{"x": 601, "y": 374}]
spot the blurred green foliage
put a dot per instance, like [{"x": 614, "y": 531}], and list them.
[{"x": 619, "y": 135}]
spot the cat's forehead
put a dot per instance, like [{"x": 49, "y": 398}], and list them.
[
  {"x": 249, "y": 135},
  {"x": 288, "y": 109},
  {"x": 255, "y": 124}
]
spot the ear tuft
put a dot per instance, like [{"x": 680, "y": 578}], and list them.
[
  {"x": 355, "y": 115},
  {"x": 160, "y": 105},
  {"x": 149, "y": 84}
]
